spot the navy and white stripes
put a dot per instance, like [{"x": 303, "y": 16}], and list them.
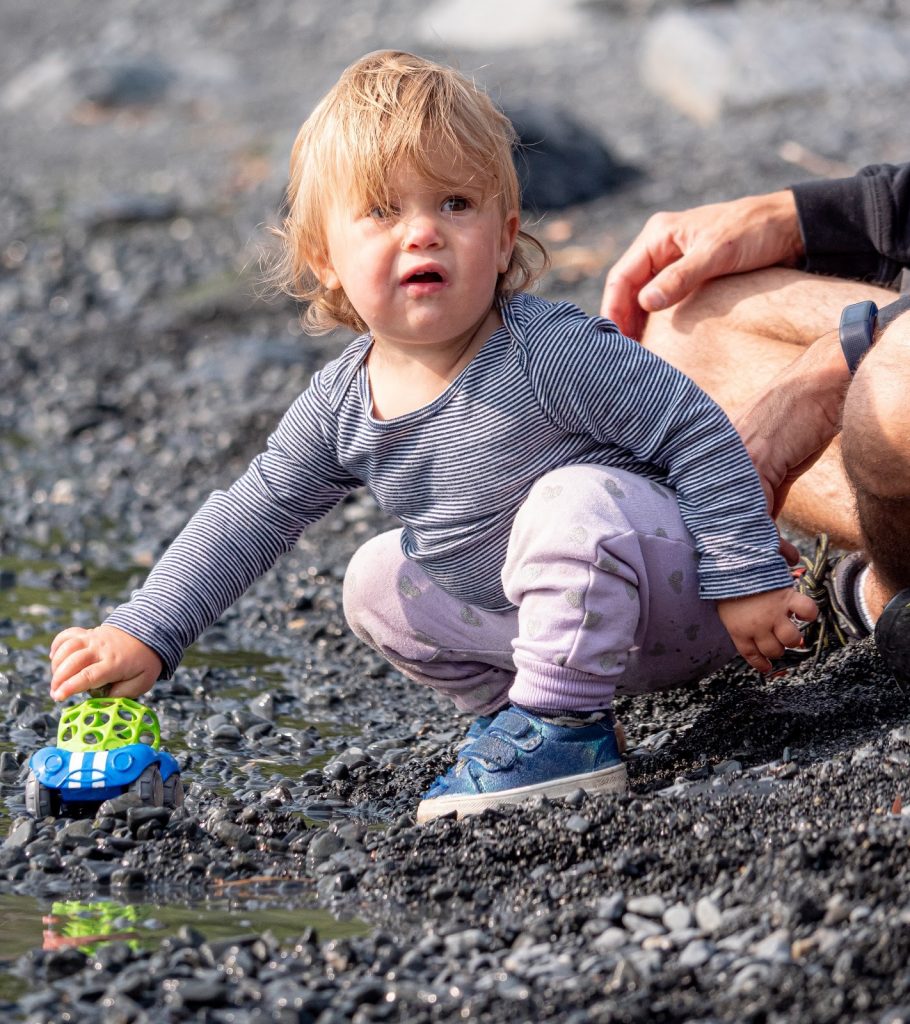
[{"x": 553, "y": 387}]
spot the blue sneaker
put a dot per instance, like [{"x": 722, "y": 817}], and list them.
[
  {"x": 521, "y": 756},
  {"x": 477, "y": 728}
]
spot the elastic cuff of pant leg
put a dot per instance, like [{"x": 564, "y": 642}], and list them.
[
  {"x": 554, "y": 689},
  {"x": 573, "y": 717}
]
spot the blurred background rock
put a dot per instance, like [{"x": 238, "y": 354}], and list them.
[{"x": 115, "y": 113}]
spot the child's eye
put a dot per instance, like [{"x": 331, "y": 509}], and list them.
[
  {"x": 456, "y": 204},
  {"x": 381, "y": 212}
]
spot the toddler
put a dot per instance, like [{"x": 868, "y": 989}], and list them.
[{"x": 578, "y": 518}]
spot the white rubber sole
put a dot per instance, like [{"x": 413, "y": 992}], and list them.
[{"x": 607, "y": 780}]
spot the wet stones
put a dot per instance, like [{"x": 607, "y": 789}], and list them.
[{"x": 139, "y": 373}]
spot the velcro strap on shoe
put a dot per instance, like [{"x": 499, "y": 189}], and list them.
[
  {"x": 512, "y": 723},
  {"x": 494, "y": 752}
]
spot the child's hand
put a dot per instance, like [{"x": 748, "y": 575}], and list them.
[
  {"x": 85, "y": 659},
  {"x": 761, "y": 626}
]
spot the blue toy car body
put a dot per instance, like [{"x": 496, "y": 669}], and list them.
[
  {"x": 106, "y": 746},
  {"x": 97, "y": 775}
]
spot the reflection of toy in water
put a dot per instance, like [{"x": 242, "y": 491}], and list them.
[
  {"x": 85, "y": 925},
  {"x": 105, "y": 746}
]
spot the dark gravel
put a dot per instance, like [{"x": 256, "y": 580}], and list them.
[{"x": 758, "y": 872}]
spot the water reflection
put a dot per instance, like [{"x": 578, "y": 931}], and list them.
[
  {"x": 30, "y": 923},
  {"x": 86, "y": 925}
]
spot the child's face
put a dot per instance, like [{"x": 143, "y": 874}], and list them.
[{"x": 423, "y": 271}]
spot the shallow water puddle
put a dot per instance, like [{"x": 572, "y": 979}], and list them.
[
  {"x": 33, "y": 923},
  {"x": 40, "y": 609},
  {"x": 39, "y": 606}
]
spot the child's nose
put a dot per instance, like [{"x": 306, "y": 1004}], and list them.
[{"x": 421, "y": 231}]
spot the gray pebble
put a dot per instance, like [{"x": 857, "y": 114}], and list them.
[
  {"x": 646, "y": 906},
  {"x": 708, "y": 915},
  {"x": 577, "y": 823},
  {"x": 21, "y": 834},
  {"x": 460, "y": 944},
  {"x": 677, "y": 917},
  {"x": 696, "y": 954},
  {"x": 775, "y": 948},
  {"x": 610, "y": 939}
]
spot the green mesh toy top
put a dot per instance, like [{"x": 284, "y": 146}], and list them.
[{"x": 105, "y": 723}]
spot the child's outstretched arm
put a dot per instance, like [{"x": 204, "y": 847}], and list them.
[
  {"x": 760, "y": 625},
  {"x": 235, "y": 537},
  {"x": 85, "y": 659}
]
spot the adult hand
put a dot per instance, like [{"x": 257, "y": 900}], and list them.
[
  {"x": 86, "y": 659},
  {"x": 794, "y": 420},
  {"x": 676, "y": 252},
  {"x": 761, "y": 625}
]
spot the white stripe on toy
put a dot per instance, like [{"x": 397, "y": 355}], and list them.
[
  {"x": 99, "y": 767},
  {"x": 75, "y": 777}
]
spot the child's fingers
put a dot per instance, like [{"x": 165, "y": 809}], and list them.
[
  {"x": 62, "y": 690},
  {"x": 71, "y": 664},
  {"x": 750, "y": 652},
  {"x": 788, "y": 633},
  {"x": 770, "y": 646},
  {"x": 88, "y": 678},
  {"x": 759, "y": 662},
  {"x": 134, "y": 687},
  {"x": 64, "y": 637},
  {"x": 82, "y": 670},
  {"x": 72, "y": 648},
  {"x": 766, "y": 648},
  {"x": 803, "y": 607}
]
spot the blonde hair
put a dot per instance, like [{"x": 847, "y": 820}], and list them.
[{"x": 391, "y": 108}]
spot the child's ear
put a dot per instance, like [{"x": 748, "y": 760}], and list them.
[
  {"x": 327, "y": 276},
  {"x": 510, "y": 226}
]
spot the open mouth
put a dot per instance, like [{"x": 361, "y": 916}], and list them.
[{"x": 424, "y": 277}]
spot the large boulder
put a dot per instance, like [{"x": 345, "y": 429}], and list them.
[{"x": 714, "y": 60}]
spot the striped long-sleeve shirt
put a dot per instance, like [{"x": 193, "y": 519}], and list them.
[{"x": 552, "y": 387}]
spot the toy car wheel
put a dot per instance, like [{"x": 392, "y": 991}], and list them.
[
  {"x": 173, "y": 791},
  {"x": 149, "y": 787},
  {"x": 39, "y": 800}
]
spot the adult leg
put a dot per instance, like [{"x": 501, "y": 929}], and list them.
[
  {"x": 735, "y": 334},
  {"x": 876, "y": 456}
]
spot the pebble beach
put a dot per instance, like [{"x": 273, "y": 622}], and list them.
[{"x": 759, "y": 869}]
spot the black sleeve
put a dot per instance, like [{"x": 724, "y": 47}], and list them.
[{"x": 857, "y": 227}]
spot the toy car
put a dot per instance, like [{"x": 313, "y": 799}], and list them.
[{"x": 106, "y": 746}]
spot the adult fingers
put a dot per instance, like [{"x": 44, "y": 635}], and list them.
[
  {"x": 620, "y": 304},
  {"x": 649, "y": 253},
  {"x": 680, "y": 278}
]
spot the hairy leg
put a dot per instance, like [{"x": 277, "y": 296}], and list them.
[
  {"x": 735, "y": 334},
  {"x": 876, "y": 456}
]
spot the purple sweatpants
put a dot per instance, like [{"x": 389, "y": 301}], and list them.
[{"x": 602, "y": 572}]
